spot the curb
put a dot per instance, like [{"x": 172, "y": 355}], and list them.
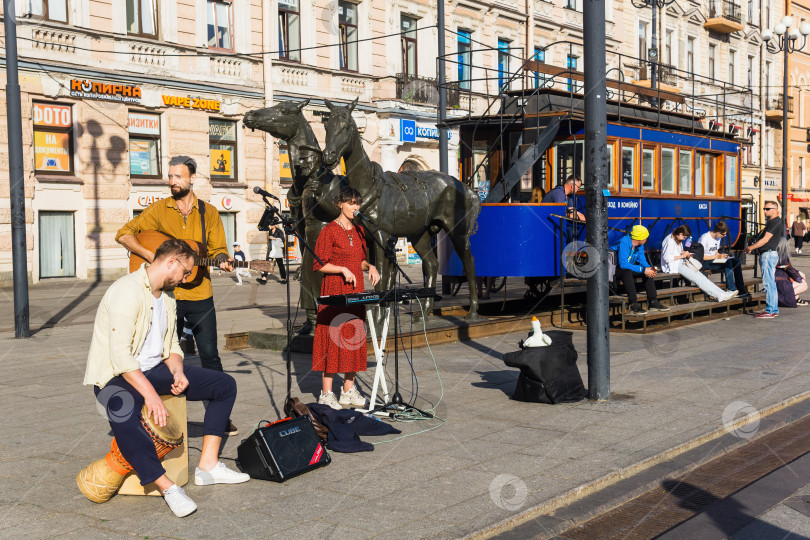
[{"x": 546, "y": 508}]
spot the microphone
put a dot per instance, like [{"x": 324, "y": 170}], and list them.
[
  {"x": 358, "y": 214},
  {"x": 264, "y": 193}
]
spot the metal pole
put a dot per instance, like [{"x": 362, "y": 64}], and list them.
[
  {"x": 654, "y": 65},
  {"x": 785, "y": 129},
  {"x": 16, "y": 176},
  {"x": 441, "y": 113},
  {"x": 595, "y": 181}
]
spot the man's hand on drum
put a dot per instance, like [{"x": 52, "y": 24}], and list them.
[{"x": 156, "y": 409}]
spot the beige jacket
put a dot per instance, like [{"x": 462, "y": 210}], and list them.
[{"x": 122, "y": 322}]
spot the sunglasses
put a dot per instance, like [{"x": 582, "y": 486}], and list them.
[{"x": 771, "y": 208}]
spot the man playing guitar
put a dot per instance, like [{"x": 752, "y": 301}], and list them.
[{"x": 179, "y": 216}]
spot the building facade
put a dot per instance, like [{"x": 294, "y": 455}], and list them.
[{"x": 112, "y": 89}]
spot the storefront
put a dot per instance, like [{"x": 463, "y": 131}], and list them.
[{"x": 96, "y": 153}]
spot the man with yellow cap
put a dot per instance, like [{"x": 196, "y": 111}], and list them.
[{"x": 632, "y": 263}]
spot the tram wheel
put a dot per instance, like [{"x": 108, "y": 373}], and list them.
[{"x": 498, "y": 284}]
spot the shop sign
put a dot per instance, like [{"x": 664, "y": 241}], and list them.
[
  {"x": 52, "y": 151},
  {"x": 146, "y": 200},
  {"x": 227, "y": 202},
  {"x": 52, "y": 115},
  {"x": 187, "y": 102},
  {"x": 123, "y": 93},
  {"x": 221, "y": 163},
  {"x": 222, "y": 130},
  {"x": 145, "y": 124},
  {"x": 410, "y": 130},
  {"x": 284, "y": 170}
]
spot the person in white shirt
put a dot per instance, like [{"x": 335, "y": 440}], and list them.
[
  {"x": 714, "y": 260},
  {"x": 672, "y": 262},
  {"x": 239, "y": 255}
]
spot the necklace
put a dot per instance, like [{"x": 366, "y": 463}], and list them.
[{"x": 351, "y": 238}]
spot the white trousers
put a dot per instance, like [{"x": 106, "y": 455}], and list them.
[{"x": 698, "y": 278}]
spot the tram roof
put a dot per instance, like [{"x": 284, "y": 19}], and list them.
[{"x": 552, "y": 102}]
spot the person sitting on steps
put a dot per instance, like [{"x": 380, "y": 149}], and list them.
[
  {"x": 673, "y": 262},
  {"x": 632, "y": 263}
]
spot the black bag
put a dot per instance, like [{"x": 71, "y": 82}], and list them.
[
  {"x": 548, "y": 374},
  {"x": 697, "y": 250}
]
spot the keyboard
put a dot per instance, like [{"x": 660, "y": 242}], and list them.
[{"x": 377, "y": 297}]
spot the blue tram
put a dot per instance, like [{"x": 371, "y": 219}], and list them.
[{"x": 669, "y": 163}]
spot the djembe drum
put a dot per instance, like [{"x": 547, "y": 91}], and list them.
[{"x": 100, "y": 480}]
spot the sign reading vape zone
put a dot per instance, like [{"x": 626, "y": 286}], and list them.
[{"x": 186, "y": 102}]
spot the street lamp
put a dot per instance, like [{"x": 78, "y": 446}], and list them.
[
  {"x": 784, "y": 37},
  {"x": 653, "y": 51}
]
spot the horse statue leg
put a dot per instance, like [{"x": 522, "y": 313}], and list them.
[{"x": 430, "y": 268}]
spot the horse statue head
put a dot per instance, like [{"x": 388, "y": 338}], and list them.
[
  {"x": 340, "y": 131},
  {"x": 281, "y": 121}
]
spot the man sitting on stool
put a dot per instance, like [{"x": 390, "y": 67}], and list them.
[
  {"x": 714, "y": 260},
  {"x": 631, "y": 264},
  {"x": 135, "y": 356}
]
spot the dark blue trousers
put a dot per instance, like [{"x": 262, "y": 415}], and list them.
[
  {"x": 122, "y": 404},
  {"x": 202, "y": 320}
]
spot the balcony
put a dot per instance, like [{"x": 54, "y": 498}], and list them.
[
  {"x": 423, "y": 91},
  {"x": 666, "y": 78},
  {"x": 774, "y": 107},
  {"x": 724, "y": 17}
]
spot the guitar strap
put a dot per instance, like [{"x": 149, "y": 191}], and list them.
[{"x": 204, "y": 247}]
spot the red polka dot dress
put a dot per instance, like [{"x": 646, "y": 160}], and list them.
[{"x": 340, "y": 334}]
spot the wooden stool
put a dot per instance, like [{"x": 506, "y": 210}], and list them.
[{"x": 175, "y": 462}]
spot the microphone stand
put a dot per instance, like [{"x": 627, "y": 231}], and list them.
[
  {"x": 396, "y": 404},
  {"x": 273, "y": 216}
]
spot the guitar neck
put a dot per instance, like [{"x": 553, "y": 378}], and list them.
[{"x": 212, "y": 262}]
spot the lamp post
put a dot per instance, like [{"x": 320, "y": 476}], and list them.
[
  {"x": 784, "y": 37},
  {"x": 652, "y": 52}
]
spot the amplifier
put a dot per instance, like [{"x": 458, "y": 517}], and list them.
[{"x": 282, "y": 450}]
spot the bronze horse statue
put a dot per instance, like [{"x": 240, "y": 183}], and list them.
[
  {"x": 416, "y": 205},
  {"x": 314, "y": 190}
]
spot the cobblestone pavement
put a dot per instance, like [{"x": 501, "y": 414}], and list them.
[{"x": 487, "y": 461}]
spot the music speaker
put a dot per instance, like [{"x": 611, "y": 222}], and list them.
[{"x": 282, "y": 450}]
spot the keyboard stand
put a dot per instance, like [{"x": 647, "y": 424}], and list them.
[{"x": 379, "y": 355}]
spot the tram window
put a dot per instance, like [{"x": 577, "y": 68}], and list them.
[
  {"x": 648, "y": 168},
  {"x": 667, "y": 170},
  {"x": 685, "y": 172},
  {"x": 611, "y": 182},
  {"x": 731, "y": 176},
  {"x": 569, "y": 159},
  {"x": 628, "y": 168},
  {"x": 699, "y": 164},
  {"x": 705, "y": 181}
]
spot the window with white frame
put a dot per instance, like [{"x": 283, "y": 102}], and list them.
[
  {"x": 685, "y": 172},
  {"x": 407, "y": 26},
  {"x": 220, "y": 27},
  {"x": 347, "y": 21},
  {"x": 690, "y": 55},
  {"x": 142, "y": 18},
  {"x": 668, "y": 170},
  {"x": 50, "y": 10},
  {"x": 712, "y": 49},
  {"x": 732, "y": 59},
  {"x": 289, "y": 30},
  {"x": 751, "y": 72}
]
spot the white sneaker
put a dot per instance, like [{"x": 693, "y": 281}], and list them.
[
  {"x": 329, "y": 399},
  {"x": 727, "y": 295},
  {"x": 351, "y": 399},
  {"x": 180, "y": 503},
  {"x": 220, "y": 474}
]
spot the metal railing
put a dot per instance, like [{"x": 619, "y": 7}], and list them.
[
  {"x": 777, "y": 103},
  {"x": 725, "y": 9},
  {"x": 420, "y": 90}
]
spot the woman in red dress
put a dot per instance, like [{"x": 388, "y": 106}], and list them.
[{"x": 340, "y": 334}]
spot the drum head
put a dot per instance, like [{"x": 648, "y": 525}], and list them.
[{"x": 172, "y": 432}]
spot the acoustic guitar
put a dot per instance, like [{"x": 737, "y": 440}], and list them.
[{"x": 151, "y": 240}]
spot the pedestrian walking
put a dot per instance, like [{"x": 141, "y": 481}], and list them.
[
  {"x": 239, "y": 255},
  {"x": 797, "y": 230}
]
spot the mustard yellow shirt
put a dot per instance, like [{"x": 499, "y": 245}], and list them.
[
  {"x": 122, "y": 322},
  {"x": 165, "y": 217}
]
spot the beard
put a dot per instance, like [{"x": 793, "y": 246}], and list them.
[
  {"x": 179, "y": 192},
  {"x": 170, "y": 285}
]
